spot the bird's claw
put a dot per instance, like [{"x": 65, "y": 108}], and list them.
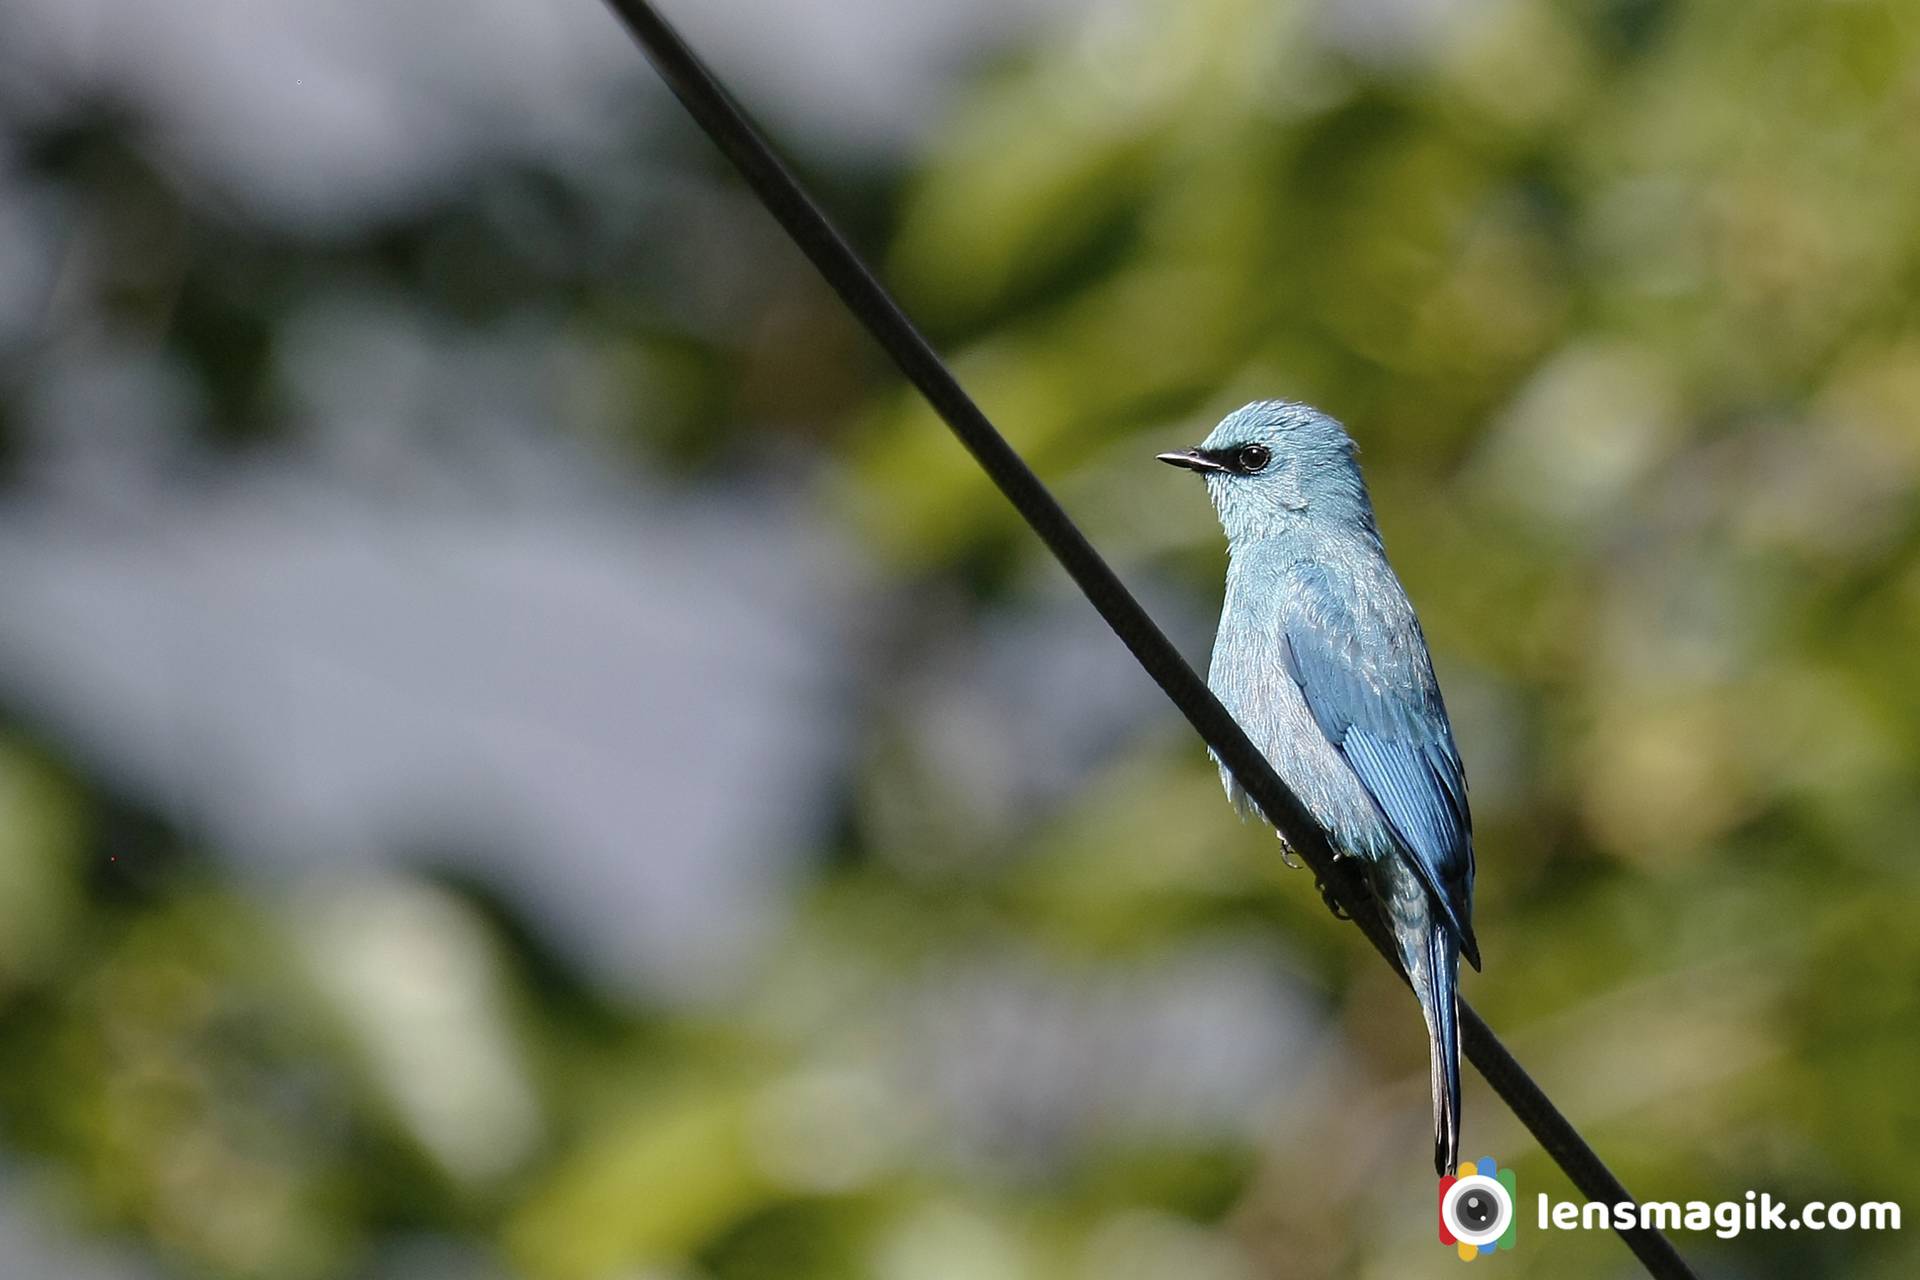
[{"x": 1340, "y": 911}]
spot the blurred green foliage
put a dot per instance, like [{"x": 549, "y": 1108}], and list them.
[{"x": 1619, "y": 299}]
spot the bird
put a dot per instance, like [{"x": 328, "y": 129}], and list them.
[{"x": 1321, "y": 659}]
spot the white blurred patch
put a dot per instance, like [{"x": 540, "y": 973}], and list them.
[
  {"x": 33, "y": 1244},
  {"x": 320, "y": 116},
  {"x": 1393, "y": 33},
  {"x": 104, "y": 415},
  {"x": 414, "y": 978},
  {"x": 946, "y": 1240},
  {"x": 827, "y": 1130},
  {"x": 623, "y": 712},
  {"x": 315, "y": 114},
  {"x": 1019, "y": 1064},
  {"x": 1582, "y": 432}
]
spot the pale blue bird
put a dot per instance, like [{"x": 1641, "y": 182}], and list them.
[{"x": 1321, "y": 660}]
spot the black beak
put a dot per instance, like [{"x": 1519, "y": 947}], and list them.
[{"x": 1193, "y": 460}]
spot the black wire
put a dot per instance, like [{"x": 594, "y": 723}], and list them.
[{"x": 714, "y": 109}]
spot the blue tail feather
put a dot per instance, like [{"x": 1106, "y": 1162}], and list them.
[{"x": 1443, "y": 1045}]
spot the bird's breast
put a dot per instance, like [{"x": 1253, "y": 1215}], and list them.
[{"x": 1249, "y": 674}]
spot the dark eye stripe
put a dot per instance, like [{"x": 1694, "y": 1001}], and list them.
[{"x": 1252, "y": 458}]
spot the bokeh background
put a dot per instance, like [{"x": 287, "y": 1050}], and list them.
[{"x": 524, "y": 752}]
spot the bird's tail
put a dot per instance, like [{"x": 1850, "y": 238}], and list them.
[{"x": 1439, "y": 1003}]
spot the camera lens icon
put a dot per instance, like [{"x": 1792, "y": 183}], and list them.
[{"x": 1476, "y": 1210}]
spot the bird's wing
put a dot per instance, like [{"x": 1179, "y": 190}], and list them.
[{"x": 1361, "y": 661}]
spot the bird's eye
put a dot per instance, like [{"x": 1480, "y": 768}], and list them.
[{"x": 1253, "y": 457}]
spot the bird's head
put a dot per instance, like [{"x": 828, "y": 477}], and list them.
[{"x": 1276, "y": 466}]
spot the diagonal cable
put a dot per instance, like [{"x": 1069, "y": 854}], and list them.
[{"x": 723, "y": 120}]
